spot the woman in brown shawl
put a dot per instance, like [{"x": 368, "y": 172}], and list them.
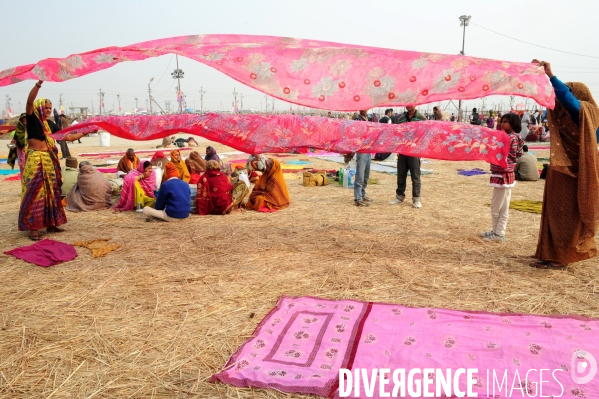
[
  {"x": 570, "y": 213},
  {"x": 270, "y": 193},
  {"x": 91, "y": 192}
]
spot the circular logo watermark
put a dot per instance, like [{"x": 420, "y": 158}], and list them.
[{"x": 584, "y": 367}]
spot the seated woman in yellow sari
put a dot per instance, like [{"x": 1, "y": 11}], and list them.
[
  {"x": 138, "y": 188},
  {"x": 270, "y": 193},
  {"x": 180, "y": 165},
  {"x": 41, "y": 205}
]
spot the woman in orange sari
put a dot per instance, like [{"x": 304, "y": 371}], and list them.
[
  {"x": 41, "y": 204},
  {"x": 270, "y": 192},
  {"x": 180, "y": 165}
]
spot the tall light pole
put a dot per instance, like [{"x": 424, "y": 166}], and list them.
[
  {"x": 241, "y": 105},
  {"x": 464, "y": 21},
  {"x": 150, "y": 95},
  {"x": 118, "y": 97},
  {"x": 266, "y": 103},
  {"x": 135, "y": 105},
  {"x": 202, "y": 92},
  {"x": 178, "y": 74},
  {"x": 235, "y": 97},
  {"x": 101, "y": 95}
]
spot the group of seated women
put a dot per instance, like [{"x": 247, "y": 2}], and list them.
[{"x": 216, "y": 194}]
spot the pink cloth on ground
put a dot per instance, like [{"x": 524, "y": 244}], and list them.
[
  {"x": 13, "y": 178},
  {"x": 302, "y": 343},
  {"x": 45, "y": 253},
  {"x": 106, "y": 170}
]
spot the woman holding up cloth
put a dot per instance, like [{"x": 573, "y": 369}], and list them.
[{"x": 41, "y": 205}]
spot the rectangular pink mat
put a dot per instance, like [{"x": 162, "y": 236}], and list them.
[{"x": 302, "y": 343}]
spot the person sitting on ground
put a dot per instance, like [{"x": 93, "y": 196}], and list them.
[
  {"x": 138, "y": 188},
  {"x": 545, "y": 136},
  {"x": 173, "y": 202},
  {"x": 159, "y": 159},
  {"x": 526, "y": 166},
  {"x": 190, "y": 142},
  {"x": 167, "y": 142},
  {"x": 196, "y": 166},
  {"x": 214, "y": 190},
  {"x": 69, "y": 175},
  {"x": 180, "y": 165},
  {"x": 128, "y": 162},
  {"x": 91, "y": 192},
  {"x": 270, "y": 192}
]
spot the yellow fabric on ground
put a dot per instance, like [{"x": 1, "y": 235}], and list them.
[
  {"x": 99, "y": 247},
  {"x": 527, "y": 206}
]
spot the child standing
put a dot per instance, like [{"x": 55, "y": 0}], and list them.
[{"x": 503, "y": 179}]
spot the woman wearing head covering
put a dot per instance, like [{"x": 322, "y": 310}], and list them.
[
  {"x": 196, "y": 166},
  {"x": 180, "y": 165},
  {"x": 138, "y": 187},
  {"x": 570, "y": 215},
  {"x": 20, "y": 141},
  {"x": 214, "y": 190},
  {"x": 91, "y": 192},
  {"x": 41, "y": 205},
  {"x": 211, "y": 155},
  {"x": 159, "y": 158},
  {"x": 270, "y": 192}
]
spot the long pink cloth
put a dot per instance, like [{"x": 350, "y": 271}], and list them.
[
  {"x": 45, "y": 253},
  {"x": 318, "y": 74},
  {"x": 255, "y": 134},
  {"x": 302, "y": 343}
]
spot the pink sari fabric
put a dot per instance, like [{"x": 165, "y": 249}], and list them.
[
  {"x": 318, "y": 74},
  {"x": 127, "y": 200},
  {"x": 303, "y": 342},
  {"x": 258, "y": 134},
  {"x": 45, "y": 253}
]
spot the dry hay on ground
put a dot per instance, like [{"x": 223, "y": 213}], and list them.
[{"x": 156, "y": 318}]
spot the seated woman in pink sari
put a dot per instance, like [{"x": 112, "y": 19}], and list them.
[{"x": 138, "y": 187}]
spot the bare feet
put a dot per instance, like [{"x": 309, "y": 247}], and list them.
[{"x": 34, "y": 235}]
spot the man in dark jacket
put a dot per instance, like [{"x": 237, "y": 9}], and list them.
[{"x": 405, "y": 163}]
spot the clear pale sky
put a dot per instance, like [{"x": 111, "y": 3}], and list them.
[{"x": 35, "y": 30}]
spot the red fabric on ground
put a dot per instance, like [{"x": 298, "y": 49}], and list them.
[{"x": 45, "y": 253}]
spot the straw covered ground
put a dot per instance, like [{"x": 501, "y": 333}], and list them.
[{"x": 158, "y": 317}]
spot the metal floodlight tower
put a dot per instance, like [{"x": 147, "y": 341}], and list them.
[
  {"x": 150, "y": 95},
  {"x": 464, "y": 21},
  {"x": 179, "y": 74}
]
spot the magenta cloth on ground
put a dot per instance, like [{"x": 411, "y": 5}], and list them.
[
  {"x": 302, "y": 343},
  {"x": 108, "y": 154},
  {"x": 45, "y": 253},
  {"x": 255, "y": 134},
  {"x": 106, "y": 170},
  {"x": 312, "y": 73}
]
